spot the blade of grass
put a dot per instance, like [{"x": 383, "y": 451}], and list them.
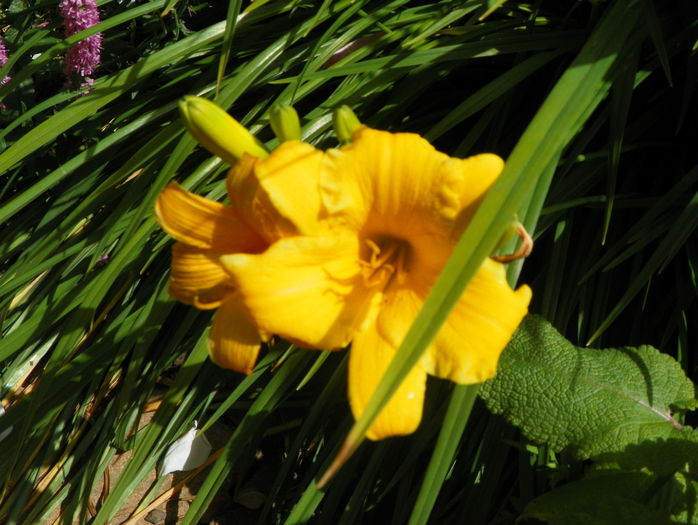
[
  {"x": 490, "y": 92},
  {"x": 169, "y": 7},
  {"x": 621, "y": 96},
  {"x": 151, "y": 439},
  {"x": 685, "y": 225},
  {"x": 653, "y": 25},
  {"x": 227, "y": 44},
  {"x": 272, "y": 394},
  {"x": 310, "y": 422},
  {"x": 452, "y": 428},
  {"x": 496, "y": 45}
]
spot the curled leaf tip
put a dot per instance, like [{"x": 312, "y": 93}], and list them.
[{"x": 524, "y": 250}]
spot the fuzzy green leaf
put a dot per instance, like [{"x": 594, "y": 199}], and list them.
[{"x": 584, "y": 400}]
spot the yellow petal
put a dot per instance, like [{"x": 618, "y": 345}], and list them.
[
  {"x": 204, "y": 223},
  {"x": 478, "y": 174},
  {"x": 396, "y": 185},
  {"x": 303, "y": 289},
  {"x": 280, "y": 195},
  {"x": 394, "y": 180},
  {"x": 370, "y": 355},
  {"x": 290, "y": 178},
  {"x": 467, "y": 348},
  {"x": 197, "y": 277},
  {"x": 234, "y": 340},
  {"x": 401, "y": 306}
]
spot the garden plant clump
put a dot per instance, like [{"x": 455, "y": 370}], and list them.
[{"x": 348, "y": 262}]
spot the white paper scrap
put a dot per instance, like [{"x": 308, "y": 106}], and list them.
[{"x": 186, "y": 453}]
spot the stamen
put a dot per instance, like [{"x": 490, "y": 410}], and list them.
[
  {"x": 385, "y": 263},
  {"x": 385, "y": 255},
  {"x": 375, "y": 251}
]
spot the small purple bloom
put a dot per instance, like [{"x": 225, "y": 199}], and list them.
[{"x": 83, "y": 57}]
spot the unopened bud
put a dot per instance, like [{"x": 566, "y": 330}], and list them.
[
  {"x": 285, "y": 122},
  {"x": 217, "y": 131},
  {"x": 345, "y": 123}
]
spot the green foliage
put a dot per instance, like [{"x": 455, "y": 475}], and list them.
[
  {"x": 620, "y": 407},
  {"x": 592, "y": 105},
  {"x": 617, "y": 498},
  {"x": 649, "y": 482},
  {"x": 586, "y": 401},
  {"x": 662, "y": 456}
]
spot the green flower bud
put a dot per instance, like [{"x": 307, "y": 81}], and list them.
[
  {"x": 217, "y": 131},
  {"x": 345, "y": 123},
  {"x": 285, "y": 122}
]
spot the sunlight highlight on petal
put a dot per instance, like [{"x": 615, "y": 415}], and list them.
[
  {"x": 478, "y": 174},
  {"x": 290, "y": 178},
  {"x": 392, "y": 177},
  {"x": 279, "y": 195}
]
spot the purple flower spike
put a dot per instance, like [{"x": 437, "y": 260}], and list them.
[
  {"x": 3, "y": 60},
  {"x": 83, "y": 57}
]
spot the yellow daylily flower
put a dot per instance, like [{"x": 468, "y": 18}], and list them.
[
  {"x": 333, "y": 248},
  {"x": 385, "y": 214}
]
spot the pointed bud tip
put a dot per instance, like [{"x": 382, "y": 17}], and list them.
[
  {"x": 345, "y": 123},
  {"x": 285, "y": 122}
]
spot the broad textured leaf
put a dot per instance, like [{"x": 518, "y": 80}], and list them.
[{"x": 585, "y": 400}]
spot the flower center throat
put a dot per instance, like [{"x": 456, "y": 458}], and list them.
[{"x": 385, "y": 260}]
